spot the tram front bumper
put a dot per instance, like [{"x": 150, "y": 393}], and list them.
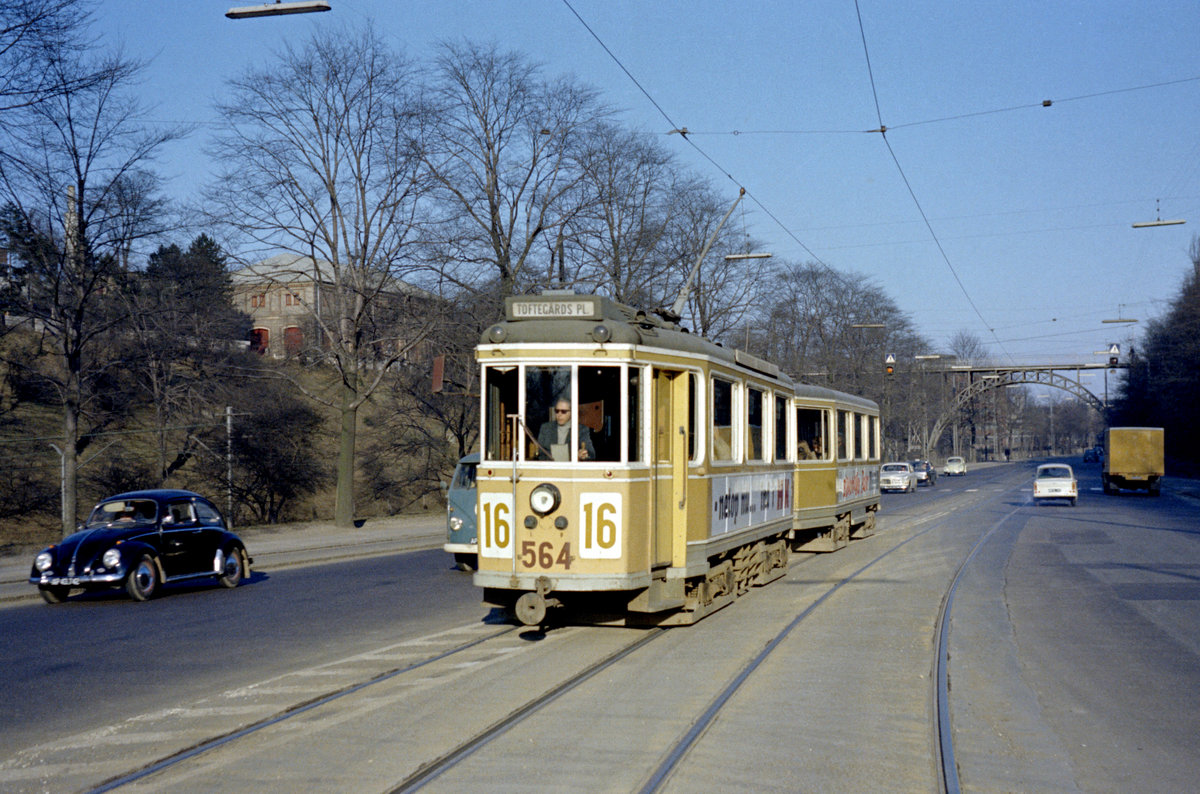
[{"x": 505, "y": 580}]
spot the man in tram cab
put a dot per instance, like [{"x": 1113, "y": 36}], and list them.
[{"x": 554, "y": 438}]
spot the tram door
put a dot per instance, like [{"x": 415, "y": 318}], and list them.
[{"x": 669, "y": 544}]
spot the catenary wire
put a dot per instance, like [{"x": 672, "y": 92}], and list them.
[{"x": 883, "y": 134}]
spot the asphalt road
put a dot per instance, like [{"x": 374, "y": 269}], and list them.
[
  {"x": 1074, "y": 664},
  {"x": 100, "y": 658}
]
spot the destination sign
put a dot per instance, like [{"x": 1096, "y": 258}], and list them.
[{"x": 552, "y": 309}]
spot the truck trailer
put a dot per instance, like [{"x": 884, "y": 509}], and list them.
[{"x": 1133, "y": 459}]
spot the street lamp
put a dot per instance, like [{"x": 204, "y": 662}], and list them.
[
  {"x": 277, "y": 9},
  {"x": 747, "y": 256},
  {"x": 1158, "y": 221}
]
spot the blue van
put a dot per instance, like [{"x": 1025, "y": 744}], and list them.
[{"x": 462, "y": 537}]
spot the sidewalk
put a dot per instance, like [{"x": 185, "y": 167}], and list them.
[{"x": 279, "y": 546}]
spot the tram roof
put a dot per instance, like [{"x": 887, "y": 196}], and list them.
[{"x": 558, "y": 316}]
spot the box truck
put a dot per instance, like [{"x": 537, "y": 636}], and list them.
[{"x": 1133, "y": 458}]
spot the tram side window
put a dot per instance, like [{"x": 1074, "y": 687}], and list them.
[
  {"x": 754, "y": 425},
  {"x": 859, "y": 436},
  {"x": 500, "y": 401},
  {"x": 810, "y": 434},
  {"x": 873, "y": 429},
  {"x": 843, "y": 431},
  {"x": 600, "y": 411},
  {"x": 722, "y": 421},
  {"x": 781, "y": 416}
]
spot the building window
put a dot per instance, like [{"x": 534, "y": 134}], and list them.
[
  {"x": 259, "y": 340},
  {"x": 293, "y": 340},
  {"x": 291, "y": 299},
  {"x": 258, "y": 301}
]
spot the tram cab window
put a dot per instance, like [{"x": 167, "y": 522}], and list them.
[
  {"x": 722, "y": 420},
  {"x": 873, "y": 436},
  {"x": 634, "y": 423},
  {"x": 576, "y": 413},
  {"x": 844, "y": 429},
  {"x": 499, "y": 402},
  {"x": 754, "y": 425},
  {"x": 693, "y": 386},
  {"x": 810, "y": 434},
  {"x": 600, "y": 412},
  {"x": 781, "y": 417}
]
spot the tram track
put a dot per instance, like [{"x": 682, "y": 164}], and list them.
[
  {"x": 672, "y": 757},
  {"x": 675, "y": 755}
]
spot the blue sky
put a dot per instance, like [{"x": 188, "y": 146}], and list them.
[{"x": 1032, "y": 206}]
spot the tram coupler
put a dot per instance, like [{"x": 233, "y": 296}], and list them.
[{"x": 531, "y": 607}]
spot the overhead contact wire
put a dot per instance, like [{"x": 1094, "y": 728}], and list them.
[{"x": 882, "y": 130}]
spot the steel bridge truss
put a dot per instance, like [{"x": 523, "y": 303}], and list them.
[{"x": 985, "y": 379}]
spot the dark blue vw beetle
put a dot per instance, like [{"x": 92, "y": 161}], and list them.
[{"x": 139, "y": 540}]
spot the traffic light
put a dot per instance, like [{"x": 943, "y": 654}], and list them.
[
  {"x": 889, "y": 369},
  {"x": 1112, "y": 361}
]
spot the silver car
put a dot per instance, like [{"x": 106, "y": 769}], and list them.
[
  {"x": 1055, "y": 481},
  {"x": 955, "y": 467},
  {"x": 897, "y": 476}
]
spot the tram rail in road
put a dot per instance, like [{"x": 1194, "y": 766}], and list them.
[{"x": 393, "y": 728}]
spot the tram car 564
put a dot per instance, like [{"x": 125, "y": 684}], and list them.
[{"x": 635, "y": 473}]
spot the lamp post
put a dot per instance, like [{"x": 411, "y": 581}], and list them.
[{"x": 925, "y": 401}]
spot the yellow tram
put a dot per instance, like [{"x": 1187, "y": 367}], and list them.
[{"x": 635, "y": 473}]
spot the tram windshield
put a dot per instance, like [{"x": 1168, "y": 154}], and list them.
[{"x": 568, "y": 413}]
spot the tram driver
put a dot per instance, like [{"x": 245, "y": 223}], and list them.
[{"x": 554, "y": 438}]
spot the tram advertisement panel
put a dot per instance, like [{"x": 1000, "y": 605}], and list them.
[
  {"x": 855, "y": 482},
  {"x": 740, "y": 501}
]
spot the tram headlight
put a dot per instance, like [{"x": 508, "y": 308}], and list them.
[
  {"x": 601, "y": 334},
  {"x": 497, "y": 333},
  {"x": 455, "y": 523},
  {"x": 544, "y": 499}
]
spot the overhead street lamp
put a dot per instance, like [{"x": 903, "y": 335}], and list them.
[
  {"x": 278, "y": 9},
  {"x": 1158, "y": 221},
  {"x": 747, "y": 256}
]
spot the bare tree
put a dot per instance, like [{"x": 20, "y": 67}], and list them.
[
  {"x": 33, "y": 35},
  {"x": 633, "y": 185},
  {"x": 178, "y": 340},
  {"x": 320, "y": 162},
  {"x": 721, "y": 295},
  {"x": 78, "y": 197},
  {"x": 503, "y": 155},
  {"x": 967, "y": 347}
]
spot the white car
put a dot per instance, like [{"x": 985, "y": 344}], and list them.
[
  {"x": 897, "y": 476},
  {"x": 1055, "y": 481},
  {"x": 955, "y": 467}
]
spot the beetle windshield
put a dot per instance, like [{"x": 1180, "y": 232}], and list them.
[{"x": 122, "y": 512}]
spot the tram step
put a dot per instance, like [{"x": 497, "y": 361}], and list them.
[{"x": 661, "y": 595}]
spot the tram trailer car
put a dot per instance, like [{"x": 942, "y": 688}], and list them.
[{"x": 635, "y": 473}]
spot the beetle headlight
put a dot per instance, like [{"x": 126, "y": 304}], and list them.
[
  {"x": 43, "y": 561},
  {"x": 544, "y": 499},
  {"x": 455, "y": 523},
  {"x": 111, "y": 558}
]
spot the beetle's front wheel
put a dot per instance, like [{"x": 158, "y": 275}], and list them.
[
  {"x": 233, "y": 570},
  {"x": 142, "y": 582},
  {"x": 54, "y": 595}
]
